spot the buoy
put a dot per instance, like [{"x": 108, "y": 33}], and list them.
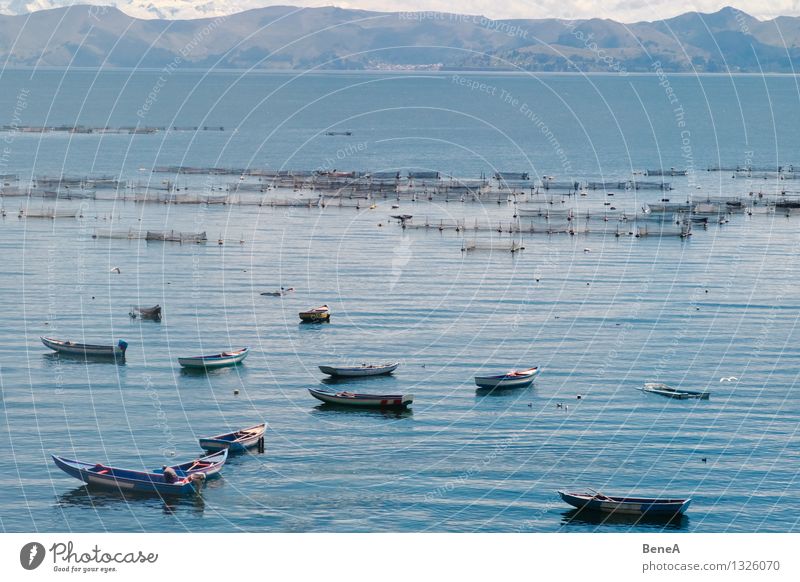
[
  {"x": 579, "y": 397},
  {"x": 236, "y": 392},
  {"x": 704, "y": 459}
]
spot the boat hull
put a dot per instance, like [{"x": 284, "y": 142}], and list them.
[
  {"x": 313, "y": 317},
  {"x": 664, "y": 390},
  {"x": 626, "y": 505},
  {"x": 85, "y": 350},
  {"x": 358, "y": 371},
  {"x": 126, "y": 481},
  {"x": 232, "y": 443},
  {"x": 507, "y": 381},
  {"x": 153, "y": 313},
  {"x": 215, "y": 361},
  {"x": 392, "y": 401}
]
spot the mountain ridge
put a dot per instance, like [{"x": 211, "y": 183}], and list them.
[{"x": 291, "y": 38}]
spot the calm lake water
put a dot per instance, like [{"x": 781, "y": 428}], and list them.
[{"x": 599, "y": 314}]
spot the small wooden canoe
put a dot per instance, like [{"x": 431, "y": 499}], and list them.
[
  {"x": 362, "y": 370},
  {"x": 237, "y": 441},
  {"x": 669, "y": 392},
  {"x": 315, "y": 315},
  {"x": 512, "y": 379},
  {"x": 153, "y": 313},
  {"x": 125, "y": 480},
  {"x": 89, "y": 350},
  {"x": 384, "y": 401},
  {"x": 210, "y": 466},
  {"x": 594, "y": 501},
  {"x": 216, "y": 360}
]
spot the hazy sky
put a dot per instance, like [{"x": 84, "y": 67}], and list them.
[{"x": 624, "y": 10}]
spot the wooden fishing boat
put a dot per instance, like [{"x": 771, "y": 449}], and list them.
[
  {"x": 153, "y": 313},
  {"x": 384, "y": 401},
  {"x": 512, "y": 379},
  {"x": 95, "y": 474},
  {"x": 210, "y": 466},
  {"x": 74, "y": 349},
  {"x": 237, "y": 441},
  {"x": 216, "y": 360},
  {"x": 679, "y": 394},
  {"x": 362, "y": 370},
  {"x": 317, "y": 314},
  {"x": 280, "y": 293},
  {"x": 594, "y": 501}
]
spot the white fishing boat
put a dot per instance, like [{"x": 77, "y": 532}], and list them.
[
  {"x": 220, "y": 360},
  {"x": 362, "y": 370},
  {"x": 512, "y": 379},
  {"x": 75, "y": 349},
  {"x": 384, "y": 401}
]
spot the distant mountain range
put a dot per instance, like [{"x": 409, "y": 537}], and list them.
[{"x": 284, "y": 37}]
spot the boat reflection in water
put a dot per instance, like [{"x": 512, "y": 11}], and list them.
[
  {"x": 94, "y": 498},
  {"x": 327, "y": 408},
  {"x": 574, "y": 518}
]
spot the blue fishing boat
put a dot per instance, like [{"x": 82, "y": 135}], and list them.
[
  {"x": 237, "y": 441},
  {"x": 594, "y": 501},
  {"x": 126, "y": 480},
  {"x": 216, "y": 360}
]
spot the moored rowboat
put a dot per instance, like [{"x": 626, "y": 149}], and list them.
[
  {"x": 210, "y": 466},
  {"x": 317, "y": 314},
  {"x": 216, "y": 360},
  {"x": 71, "y": 348},
  {"x": 384, "y": 401},
  {"x": 146, "y": 312},
  {"x": 512, "y": 379},
  {"x": 235, "y": 442},
  {"x": 679, "y": 394},
  {"x": 595, "y": 501},
  {"x": 362, "y": 370},
  {"x": 95, "y": 474}
]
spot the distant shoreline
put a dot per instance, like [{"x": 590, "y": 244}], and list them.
[{"x": 431, "y": 73}]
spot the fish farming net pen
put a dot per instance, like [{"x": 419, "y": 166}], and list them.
[
  {"x": 639, "y": 185},
  {"x": 571, "y": 186},
  {"x": 283, "y": 202},
  {"x": 152, "y": 235},
  {"x": 492, "y": 245},
  {"x": 670, "y": 172},
  {"x": 50, "y": 213},
  {"x": 129, "y": 234}
]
